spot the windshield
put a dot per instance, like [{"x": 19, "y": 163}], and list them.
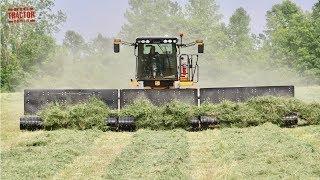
[
  {"x": 156, "y": 61},
  {"x": 158, "y": 48}
]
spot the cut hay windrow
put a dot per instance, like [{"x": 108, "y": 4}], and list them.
[
  {"x": 152, "y": 155},
  {"x": 170, "y": 116},
  {"x": 46, "y": 154},
  {"x": 263, "y": 152},
  {"x": 93, "y": 163},
  {"x": 86, "y": 115},
  {"x": 256, "y": 111},
  {"x": 261, "y": 110}
]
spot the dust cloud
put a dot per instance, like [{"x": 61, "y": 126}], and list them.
[
  {"x": 115, "y": 71},
  {"x": 65, "y": 71}
]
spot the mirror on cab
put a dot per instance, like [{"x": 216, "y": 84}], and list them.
[
  {"x": 116, "y": 45},
  {"x": 200, "y": 46}
]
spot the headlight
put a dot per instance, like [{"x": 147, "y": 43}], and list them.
[
  {"x": 169, "y": 41},
  {"x": 165, "y": 41},
  {"x": 143, "y": 41},
  {"x": 147, "y": 41}
]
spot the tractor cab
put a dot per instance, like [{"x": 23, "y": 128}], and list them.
[
  {"x": 159, "y": 63},
  {"x": 156, "y": 59}
]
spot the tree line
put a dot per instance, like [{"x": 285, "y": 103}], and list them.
[
  {"x": 290, "y": 40},
  {"x": 291, "y": 37}
]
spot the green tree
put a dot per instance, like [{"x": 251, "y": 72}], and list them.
[
  {"x": 203, "y": 18},
  {"x": 314, "y": 45},
  {"x": 203, "y": 21},
  {"x": 282, "y": 19},
  {"x": 101, "y": 45},
  {"x": 74, "y": 42},
  {"x": 281, "y": 15},
  {"x": 292, "y": 36},
  {"x": 240, "y": 40},
  {"x": 24, "y": 46},
  {"x": 151, "y": 18},
  {"x": 280, "y": 23}
]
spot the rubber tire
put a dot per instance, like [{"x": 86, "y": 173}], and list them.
[
  {"x": 31, "y": 123},
  {"x": 126, "y": 123},
  {"x": 195, "y": 123},
  {"x": 289, "y": 121},
  {"x": 208, "y": 121},
  {"x": 112, "y": 121}
]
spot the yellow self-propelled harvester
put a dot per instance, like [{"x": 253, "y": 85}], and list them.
[{"x": 163, "y": 74}]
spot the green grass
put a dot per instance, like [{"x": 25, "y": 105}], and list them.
[
  {"x": 265, "y": 151},
  {"x": 85, "y": 115},
  {"x": 93, "y": 163},
  {"x": 46, "y": 154},
  {"x": 256, "y": 111},
  {"x": 152, "y": 155},
  {"x": 170, "y": 116},
  {"x": 10, "y": 110}
]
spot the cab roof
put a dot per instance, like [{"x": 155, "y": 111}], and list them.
[{"x": 156, "y": 39}]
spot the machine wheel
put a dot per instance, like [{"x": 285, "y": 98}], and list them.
[
  {"x": 195, "y": 123},
  {"x": 126, "y": 123},
  {"x": 112, "y": 122},
  {"x": 207, "y": 121},
  {"x": 31, "y": 123},
  {"x": 290, "y": 120}
]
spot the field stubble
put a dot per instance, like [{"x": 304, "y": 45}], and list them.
[{"x": 263, "y": 151}]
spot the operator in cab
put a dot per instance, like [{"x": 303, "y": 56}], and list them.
[{"x": 155, "y": 62}]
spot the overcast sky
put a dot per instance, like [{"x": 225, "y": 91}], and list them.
[{"x": 107, "y": 16}]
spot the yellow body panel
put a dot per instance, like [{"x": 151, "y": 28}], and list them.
[{"x": 186, "y": 83}]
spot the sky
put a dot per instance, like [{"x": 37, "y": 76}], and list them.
[{"x": 107, "y": 16}]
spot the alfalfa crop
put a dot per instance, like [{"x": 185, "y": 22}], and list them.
[
  {"x": 85, "y": 115},
  {"x": 256, "y": 111},
  {"x": 273, "y": 109},
  {"x": 231, "y": 114},
  {"x": 170, "y": 116},
  {"x": 260, "y": 110}
]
